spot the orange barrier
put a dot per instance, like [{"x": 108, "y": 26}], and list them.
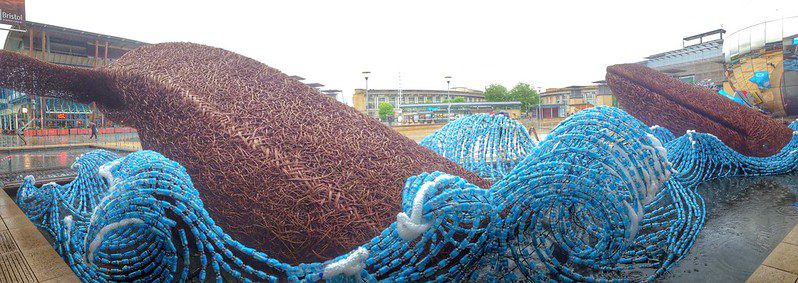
[{"x": 78, "y": 131}]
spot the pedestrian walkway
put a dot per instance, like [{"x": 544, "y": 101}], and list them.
[
  {"x": 25, "y": 255},
  {"x": 125, "y": 141},
  {"x": 782, "y": 263},
  {"x": 51, "y": 160}
]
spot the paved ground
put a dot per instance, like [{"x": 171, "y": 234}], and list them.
[
  {"x": 13, "y": 141},
  {"x": 782, "y": 263},
  {"x": 51, "y": 157},
  {"x": 418, "y": 133},
  {"x": 25, "y": 255}
]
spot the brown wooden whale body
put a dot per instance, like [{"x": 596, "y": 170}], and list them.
[
  {"x": 280, "y": 167},
  {"x": 659, "y": 99}
]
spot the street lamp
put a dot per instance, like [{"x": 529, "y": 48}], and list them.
[
  {"x": 366, "y": 103},
  {"x": 540, "y": 114},
  {"x": 449, "y": 98}
]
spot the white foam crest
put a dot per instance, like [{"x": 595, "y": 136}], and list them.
[
  {"x": 98, "y": 239},
  {"x": 351, "y": 265},
  {"x": 105, "y": 172},
  {"x": 411, "y": 226}
]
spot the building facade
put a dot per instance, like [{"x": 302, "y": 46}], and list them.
[
  {"x": 440, "y": 113},
  {"x": 559, "y": 103},
  {"x": 62, "y": 46},
  {"x": 700, "y": 62},
  {"x": 770, "y": 49},
  {"x": 604, "y": 96},
  {"x": 409, "y": 96}
]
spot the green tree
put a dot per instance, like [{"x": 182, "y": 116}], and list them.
[
  {"x": 454, "y": 100},
  {"x": 525, "y": 94},
  {"x": 385, "y": 109},
  {"x": 496, "y": 92}
]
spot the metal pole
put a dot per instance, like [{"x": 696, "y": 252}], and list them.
[
  {"x": 449, "y": 106},
  {"x": 399, "y": 103},
  {"x": 13, "y": 29},
  {"x": 366, "y": 100},
  {"x": 540, "y": 101},
  {"x": 96, "y": 51},
  {"x": 449, "y": 98},
  {"x": 105, "y": 58},
  {"x": 539, "y": 113},
  {"x": 30, "y": 48}
]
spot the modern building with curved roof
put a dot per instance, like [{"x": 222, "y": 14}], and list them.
[{"x": 762, "y": 65}]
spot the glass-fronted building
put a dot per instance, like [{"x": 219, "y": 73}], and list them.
[
  {"x": 399, "y": 98},
  {"x": 770, "y": 49},
  {"x": 62, "y": 46},
  {"x": 699, "y": 61}
]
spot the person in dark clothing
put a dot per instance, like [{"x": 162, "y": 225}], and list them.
[
  {"x": 93, "y": 131},
  {"x": 21, "y": 135},
  {"x": 21, "y": 131}
]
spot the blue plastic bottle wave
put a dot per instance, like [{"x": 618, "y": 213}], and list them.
[{"x": 602, "y": 198}]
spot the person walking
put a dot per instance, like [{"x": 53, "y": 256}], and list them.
[
  {"x": 21, "y": 131},
  {"x": 93, "y": 131}
]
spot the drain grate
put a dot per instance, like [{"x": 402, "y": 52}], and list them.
[
  {"x": 7, "y": 243},
  {"x": 13, "y": 267}
]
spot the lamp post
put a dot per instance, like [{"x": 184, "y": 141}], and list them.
[
  {"x": 540, "y": 101},
  {"x": 449, "y": 99},
  {"x": 366, "y": 102}
]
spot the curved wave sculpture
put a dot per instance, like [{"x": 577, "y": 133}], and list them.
[
  {"x": 600, "y": 198},
  {"x": 489, "y": 145},
  {"x": 280, "y": 166}
]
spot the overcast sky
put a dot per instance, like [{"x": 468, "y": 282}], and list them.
[{"x": 544, "y": 43}]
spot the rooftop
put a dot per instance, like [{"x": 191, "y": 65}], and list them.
[
  {"x": 692, "y": 49},
  {"x": 503, "y": 103},
  {"x": 453, "y": 91},
  {"x": 704, "y": 34},
  {"x": 568, "y": 89},
  {"x": 89, "y": 37}
]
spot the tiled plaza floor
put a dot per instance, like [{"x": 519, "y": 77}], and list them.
[
  {"x": 25, "y": 255},
  {"x": 782, "y": 263}
]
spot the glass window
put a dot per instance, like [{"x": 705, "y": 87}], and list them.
[
  {"x": 790, "y": 27},
  {"x": 757, "y": 36},
  {"x": 773, "y": 31},
  {"x": 690, "y": 79},
  {"x": 745, "y": 41}
]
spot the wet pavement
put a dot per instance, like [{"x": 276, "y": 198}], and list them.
[
  {"x": 14, "y": 141},
  {"x": 42, "y": 163},
  {"x": 746, "y": 220},
  {"x": 48, "y": 157},
  {"x": 25, "y": 254},
  {"x": 45, "y": 159}
]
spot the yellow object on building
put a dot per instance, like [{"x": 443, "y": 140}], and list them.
[
  {"x": 605, "y": 100},
  {"x": 359, "y": 100}
]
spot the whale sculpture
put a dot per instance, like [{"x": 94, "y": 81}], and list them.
[
  {"x": 659, "y": 99},
  {"x": 280, "y": 167}
]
